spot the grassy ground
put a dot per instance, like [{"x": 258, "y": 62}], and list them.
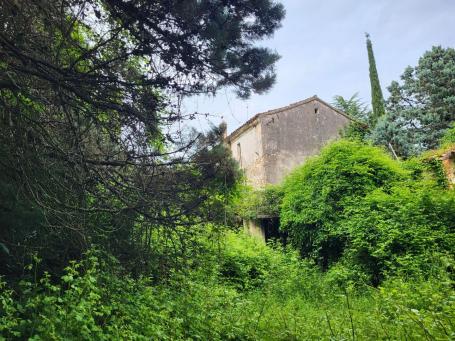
[{"x": 244, "y": 291}]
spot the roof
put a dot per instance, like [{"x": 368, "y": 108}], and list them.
[{"x": 252, "y": 121}]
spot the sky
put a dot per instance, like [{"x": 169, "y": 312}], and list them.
[{"x": 323, "y": 52}]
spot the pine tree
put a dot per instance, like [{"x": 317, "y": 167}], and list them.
[
  {"x": 88, "y": 107},
  {"x": 377, "y": 100},
  {"x": 421, "y": 107}
]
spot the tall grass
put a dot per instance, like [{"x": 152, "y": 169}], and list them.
[{"x": 250, "y": 292}]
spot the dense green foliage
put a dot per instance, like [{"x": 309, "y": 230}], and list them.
[
  {"x": 449, "y": 136},
  {"x": 316, "y": 194},
  {"x": 268, "y": 294},
  {"x": 377, "y": 99},
  {"x": 91, "y": 146},
  {"x": 353, "y": 206},
  {"x": 422, "y": 106},
  {"x": 391, "y": 222},
  {"x": 116, "y": 224},
  {"x": 253, "y": 204},
  {"x": 355, "y": 108}
]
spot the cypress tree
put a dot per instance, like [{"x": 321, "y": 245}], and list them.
[{"x": 377, "y": 100}]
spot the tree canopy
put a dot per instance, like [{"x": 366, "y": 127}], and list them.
[
  {"x": 90, "y": 136},
  {"x": 422, "y": 106},
  {"x": 355, "y": 108}
]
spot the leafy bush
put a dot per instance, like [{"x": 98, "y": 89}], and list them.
[
  {"x": 94, "y": 301},
  {"x": 449, "y": 136},
  {"x": 293, "y": 300},
  {"x": 317, "y": 193},
  {"x": 245, "y": 263},
  {"x": 401, "y": 231},
  {"x": 252, "y": 204},
  {"x": 374, "y": 215}
]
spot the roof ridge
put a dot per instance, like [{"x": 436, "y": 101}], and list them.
[{"x": 287, "y": 107}]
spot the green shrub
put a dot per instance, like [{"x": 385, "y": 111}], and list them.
[
  {"x": 317, "y": 193},
  {"x": 252, "y": 204},
  {"x": 245, "y": 262},
  {"x": 400, "y": 231},
  {"x": 449, "y": 136},
  {"x": 89, "y": 302},
  {"x": 375, "y": 216},
  {"x": 94, "y": 300}
]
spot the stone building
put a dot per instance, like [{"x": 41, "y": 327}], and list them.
[{"x": 271, "y": 144}]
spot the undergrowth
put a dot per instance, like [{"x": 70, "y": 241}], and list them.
[{"x": 251, "y": 291}]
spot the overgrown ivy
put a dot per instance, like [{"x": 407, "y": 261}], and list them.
[{"x": 354, "y": 205}]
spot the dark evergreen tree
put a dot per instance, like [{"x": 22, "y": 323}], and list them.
[
  {"x": 421, "y": 108},
  {"x": 88, "y": 131},
  {"x": 377, "y": 99}
]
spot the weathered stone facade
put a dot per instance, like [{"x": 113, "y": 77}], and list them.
[{"x": 273, "y": 143}]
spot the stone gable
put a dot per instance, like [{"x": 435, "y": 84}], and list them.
[{"x": 271, "y": 144}]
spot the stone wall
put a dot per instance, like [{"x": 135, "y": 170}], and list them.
[
  {"x": 247, "y": 150},
  {"x": 291, "y": 136},
  {"x": 273, "y": 143}
]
